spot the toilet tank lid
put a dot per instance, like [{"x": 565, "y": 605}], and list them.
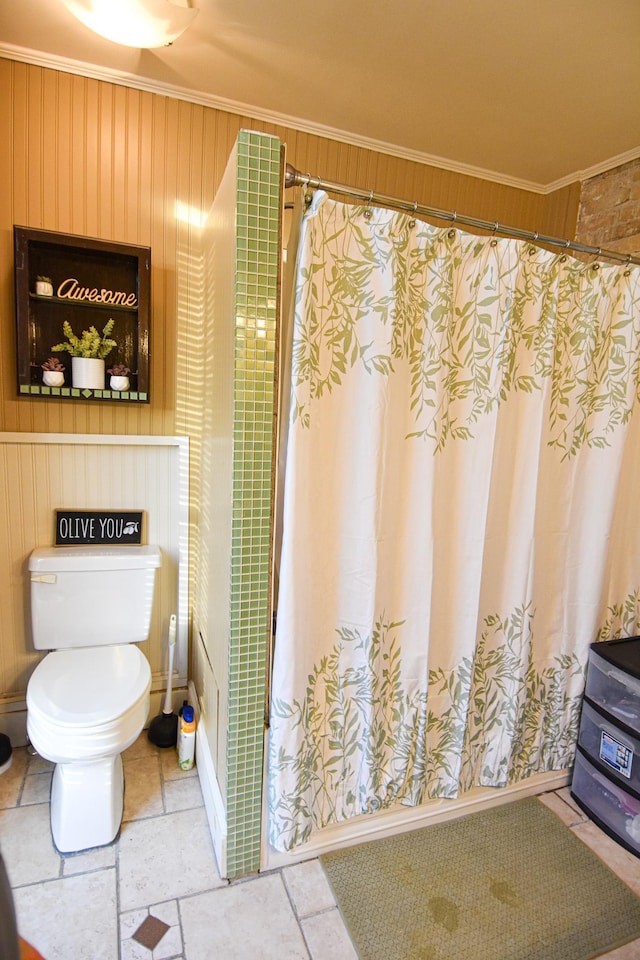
[{"x": 45, "y": 559}]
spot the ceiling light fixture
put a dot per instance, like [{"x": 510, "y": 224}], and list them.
[{"x": 134, "y": 23}]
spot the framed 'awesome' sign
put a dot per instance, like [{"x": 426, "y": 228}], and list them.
[
  {"x": 83, "y": 527},
  {"x": 68, "y": 287}
]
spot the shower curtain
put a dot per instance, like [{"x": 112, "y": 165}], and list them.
[{"x": 460, "y": 515}]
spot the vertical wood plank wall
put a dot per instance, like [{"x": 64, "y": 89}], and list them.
[{"x": 88, "y": 157}]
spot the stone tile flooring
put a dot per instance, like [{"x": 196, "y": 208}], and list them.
[{"x": 155, "y": 893}]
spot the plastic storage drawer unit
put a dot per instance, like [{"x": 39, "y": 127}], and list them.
[
  {"x": 610, "y": 745},
  {"x": 613, "y": 680},
  {"x": 615, "y": 810}
]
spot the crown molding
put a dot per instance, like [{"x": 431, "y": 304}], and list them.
[
  {"x": 628, "y": 157},
  {"x": 94, "y": 72}
]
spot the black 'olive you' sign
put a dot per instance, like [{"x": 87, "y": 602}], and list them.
[{"x": 74, "y": 527}]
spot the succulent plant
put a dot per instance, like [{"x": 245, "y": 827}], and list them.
[
  {"x": 119, "y": 370},
  {"x": 53, "y": 364},
  {"x": 89, "y": 344},
  {"x": 44, "y": 279}
]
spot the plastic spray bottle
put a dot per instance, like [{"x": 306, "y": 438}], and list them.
[{"x": 186, "y": 738}]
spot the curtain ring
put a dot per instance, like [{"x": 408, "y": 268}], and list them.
[
  {"x": 308, "y": 194},
  {"x": 627, "y": 272},
  {"x": 495, "y": 227},
  {"x": 454, "y": 217},
  {"x": 415, "y": 205}
]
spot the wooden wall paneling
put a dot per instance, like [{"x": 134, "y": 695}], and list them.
[
  {"x": 91, "y": 184},
  {"x": 157, "y": 240},
  {"x": 117, "y": 147},
  {"x": 7, "y": 195},
  {"x": 60, "y": 103},
  {"x": 33, "y": 156},
  {"x": 562, "y": 211},
  {"x": 76, "y": 171},
  {"x": 104, "y": 160},
  {"x": 98, "y": 159}
]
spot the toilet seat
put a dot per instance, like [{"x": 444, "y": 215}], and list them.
[
  {"x": 88, "y": 703},
  {"x": 88, "y": 686}
]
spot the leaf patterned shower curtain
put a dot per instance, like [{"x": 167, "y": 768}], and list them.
[{"x": 460, "y": 512}]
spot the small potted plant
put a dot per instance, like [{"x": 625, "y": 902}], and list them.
[
  {"x": 87, "y": 354},
  {"x": 119, "y": 374},
  {"x": 53, "y": 372},
  {"x": 44, "y": 286}
]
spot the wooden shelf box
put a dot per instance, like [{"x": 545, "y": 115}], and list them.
[{"x": 93, "y": 281}]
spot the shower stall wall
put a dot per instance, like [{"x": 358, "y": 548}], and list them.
[{"x": 232, "y": 605}]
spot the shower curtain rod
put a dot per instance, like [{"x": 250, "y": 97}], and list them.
[{"x": 293, "y": 178}]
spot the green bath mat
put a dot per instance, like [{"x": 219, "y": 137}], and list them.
[{"x": 511, "y": 883}]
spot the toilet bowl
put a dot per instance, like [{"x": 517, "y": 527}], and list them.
[
  {"x": 89, "y": 701},
  {"x": 85, "y": 706}
]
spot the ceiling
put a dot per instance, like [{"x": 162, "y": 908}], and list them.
[{"x": 534, "y": 93}]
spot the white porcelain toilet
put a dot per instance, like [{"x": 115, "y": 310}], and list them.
[{"x": 88, "y": 700}]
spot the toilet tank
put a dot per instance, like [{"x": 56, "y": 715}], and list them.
[{"x": 89, "y": 596}]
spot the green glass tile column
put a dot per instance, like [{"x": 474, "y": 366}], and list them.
[{"x": 256, "y": 292}]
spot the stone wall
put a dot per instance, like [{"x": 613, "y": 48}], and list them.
[{"x": 609, "y": 214}]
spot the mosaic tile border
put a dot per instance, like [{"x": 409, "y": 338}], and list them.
[
  {"x": 256, "y": 295},
  {"x": 76, "y": 393}
]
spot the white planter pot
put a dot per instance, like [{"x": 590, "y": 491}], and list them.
[
  {"x": 44, "y": 289},
  {"x": 87, "y": 373},
  {"x": 53, "y": 378},
  {"x": 119, "y": 383}
]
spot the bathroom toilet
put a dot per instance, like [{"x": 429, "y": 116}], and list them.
[{"x": 88, "y": 699}]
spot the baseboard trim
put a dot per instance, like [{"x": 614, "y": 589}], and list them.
[{"x": 213, "y": 802}]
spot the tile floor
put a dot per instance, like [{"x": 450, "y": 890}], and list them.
[{"x": 155, "y": 894}]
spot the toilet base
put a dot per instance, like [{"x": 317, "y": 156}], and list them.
[{"x": 86, "y": 803}]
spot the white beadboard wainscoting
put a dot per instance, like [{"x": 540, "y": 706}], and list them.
[{"x": 40, "y": 473}]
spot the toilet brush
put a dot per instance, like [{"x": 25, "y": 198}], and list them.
[{"x": 163, "y": 729}]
